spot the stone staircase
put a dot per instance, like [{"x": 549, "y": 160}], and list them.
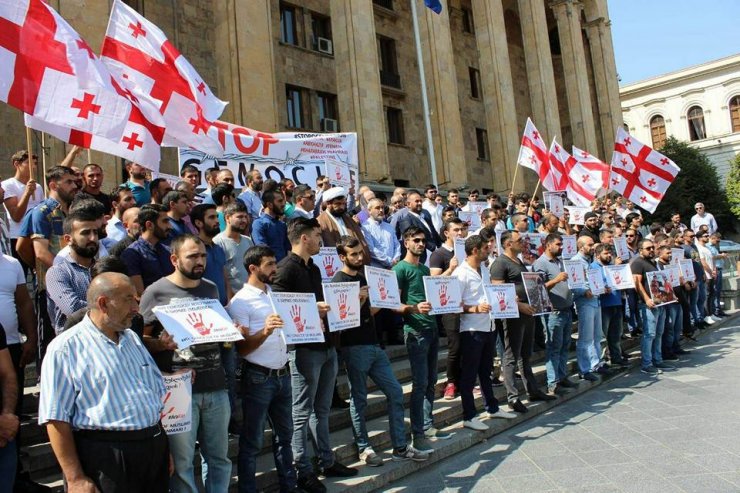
[{"x": 39, "y": 458}]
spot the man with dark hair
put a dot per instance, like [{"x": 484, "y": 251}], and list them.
[
  {"x": 92, "y": 177},
  {"x": 364, "y": 358},
  {"x": 590, "y": 226},
  {"x": 335, "y": 222},
  {"x": 121, "y": 200},
  {"x": 611, "y": 306},
  {"x": 252, "y": 198},
  {"x": 287, "y": 186},
  {"x": 222, "y": 195},
  {"x": 223, "y": 176},
  {"x": 137, "y": 183},
  {"x": 190, "y": 174},
  {"x": 588, "y": 346},
  {"x": 205, "y": 219},
  {"x": 158, "y": 188},
  {"x": 313, "y": 366},
  {"x": 453, "y": 200},
  {"x": 676, "y": 221},
  {"x": 414, "y": 215},
  {"x": 210, "y": 400},
  {"x": 148, "y": 259},
  {"x": 235, "y": 243},
  {"x": 178, "y": 207},
  {"x": 267, "y": 229},
  {"x": 322, "y": 185},
  {"x": 305, "y": 201},
  {"x": 432, "y": 207},
  {"x": 472, "y": 197},
  {"x": 22, "y": 193}
]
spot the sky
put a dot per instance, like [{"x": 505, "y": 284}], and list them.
[{"x": 654, "y": 37}]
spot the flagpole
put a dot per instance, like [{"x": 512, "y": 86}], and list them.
[
  {"x": 89, "y": 156},
  {"x": 424, "y": 97},
  {"x": 516, "y": 170},
  {"x": 536, "y": 188},
  {"x": 29, "y": 148}
]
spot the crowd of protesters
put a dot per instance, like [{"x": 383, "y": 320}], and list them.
[{"x": 100, "y": 263}]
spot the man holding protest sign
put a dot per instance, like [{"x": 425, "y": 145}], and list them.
[{"x": 210, "y": 405}]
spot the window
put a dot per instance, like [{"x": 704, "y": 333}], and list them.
[
  {"x": 657, "y": 131},
  {"x": 474, "y": 82},
  {"x": 327, "y": 105},
  {"x": 321, "y": 28},
  {"x": 296, "y": 107},
  {"x": 696, "y": 123},
  {"x": 394, "y": 117},
  {"x": 288, "y": 32},
  {"x": 481, "y": 139},
  {"x": 388, "y": 64},
  {"x": 735, "y": 113},
  {"x": 467, "y": 21},
  {"x": 388, "y": 4}
]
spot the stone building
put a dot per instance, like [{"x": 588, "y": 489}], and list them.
[
  {"x": 352, "y": 65},
  {"x": 699, "y": 104}
]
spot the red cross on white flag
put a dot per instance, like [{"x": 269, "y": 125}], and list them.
[
  {"x": 560, "y": 164},
  {"x": 533, "y": 151},
  {"x": 150, "y": 67},
  {"x": 640, "y": 173}
]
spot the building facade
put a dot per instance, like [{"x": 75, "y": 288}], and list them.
[
  {"x": 699, "y": 104},
  {"x": 352, "y": 65}
]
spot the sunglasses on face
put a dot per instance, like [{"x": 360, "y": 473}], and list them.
[
  {"x": 629, "y": 236},
  {"x": 648, "y": 248},
  {"x": 416, "y": 240}
]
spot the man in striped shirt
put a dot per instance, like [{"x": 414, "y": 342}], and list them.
[{"x": 101, "y": 398}]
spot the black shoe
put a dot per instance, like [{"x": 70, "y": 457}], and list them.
[
  {"x": 670, "y": 357},
  {"x": 540, "y": 396},
  {"x": 517, "y": 406},
  {"x": 339, "y": 403},
  {"x": 604, "y": 370},
  {"x": 311, "y": 484},
  {"x": 496, "y": 382},
  {"x": 589, "y": 376},
  {"x": 568, "y": 384},
  {"x": 682, "y": 352},
  {"x": 23, "y": 484},
  {"x": 338, "y": 470}
]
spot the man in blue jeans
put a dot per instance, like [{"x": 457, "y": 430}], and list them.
[
  {"x": 715, "y": 300},
  {"x": 422, "y": 342},
  {"x": 559, "y": 322},
  {"x": 266, "y": 389},
  {"x": 611, "y": 307},
  {"x": 364, "y": 358},
  {"x": 588, "y": 347}
]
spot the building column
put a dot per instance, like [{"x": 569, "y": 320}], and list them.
[
  {"x": 540, "y": 75},
  {"x": 444, "y": 103},
  {"x": 568, "y": 16},
  {"x": 246, "y": 66},
  {"x": 498, "y": 92},
  {"x": 358, "y": 84}
]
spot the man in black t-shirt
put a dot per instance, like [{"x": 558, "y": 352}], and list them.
[{"x": 365, "y": 358}]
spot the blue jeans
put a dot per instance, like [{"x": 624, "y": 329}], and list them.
[
  {"x": 313, "y": 375},
  {"x": 8, "y": 464},
  {"x": 693, "y": 305},
  {"x": 701, "y": 300},
  {"x": 714, "y": 307},
  {"x": 559, "y": 325},
  {"x": 422, "y": 349},
  {"x": 673, "y": 327},
  {"x": 588, "y": 347},
  {"x": 611, "y": 325},
  {"x": 211, "y": 414},
  {"x": 266, "y": 399},
  {"x": 631, "y": 312},
  {"x": 652, "y": 335},
  {"x": 477, "y": 350},
  {"x": 371, "y": 361}
]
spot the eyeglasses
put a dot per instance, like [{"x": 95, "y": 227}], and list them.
[
  {"x": 648, "y": 248},
  {"x": 417, "y": 240},
  {"x": 629, "y": 236}
]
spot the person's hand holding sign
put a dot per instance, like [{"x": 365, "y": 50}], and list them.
[
  {"x": 424, "y": 307},
  {"x": 273, "y": 322},
  {"x": 364, "y": 294},
  {"x": 483, "y": 308}
]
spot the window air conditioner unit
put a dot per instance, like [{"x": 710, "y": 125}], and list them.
[
  {"x": 328, "y": 125},
  {"x": 325, "y": 46}
]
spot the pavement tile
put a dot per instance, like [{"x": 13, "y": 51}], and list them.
[
  {"x": 705, "y": 482},
  {"x": 527, "y": 483},
  {"x": 577, "y": 479},
  {"x": 605, "y": 457},
  {"x": 562, "y": 462},
  {"x": 716, "y": 463}
]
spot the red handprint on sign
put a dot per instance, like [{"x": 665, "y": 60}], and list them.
[
  {"x": 501, "y": 301},
  {"x": 329, "y": 266},
  {"x": 196, "y": 321},
  {"x": 381, "y": 289},
  {"x": 343, "y": 311},
  {"x": 443, "y": 299},
  {"x": 295, "y": 314},
  {"x": 164, "y": 402}
]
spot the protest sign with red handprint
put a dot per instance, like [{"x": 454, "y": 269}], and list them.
[
  {"x": 163, "y": 413},
  {"x": 381, "y": 289},
  {"x": 343, "y": 310},
  {"x": 329, "y": 266},
  {"x": 443, "y": 295},
  {"x": 295, "y": 315},
  {"x": 501, "y": 301},
  {"x": 196, "y": 322}
]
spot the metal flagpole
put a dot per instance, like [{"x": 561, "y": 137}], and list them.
[{"x": 424, "y": 98}]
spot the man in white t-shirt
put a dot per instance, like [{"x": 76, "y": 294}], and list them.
[
  {"x": 22, "y": 193},
  {"x": 703, "y": 218}
]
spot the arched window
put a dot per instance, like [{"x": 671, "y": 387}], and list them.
[
  {"x": 735, "y": 113},
  {"x": 697, "y": 131},
  {"x": 657, "y": 131}
]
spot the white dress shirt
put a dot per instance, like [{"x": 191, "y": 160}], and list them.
[{"x": 472, "y": 285}]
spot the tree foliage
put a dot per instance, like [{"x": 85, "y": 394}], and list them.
[
  {"x": 733, "y": 187},
  {"x": 697, "y": 182}
]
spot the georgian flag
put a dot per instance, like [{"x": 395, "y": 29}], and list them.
[
  {"x": 533, "y": 151},
  {"x": 560, "y": 163}
]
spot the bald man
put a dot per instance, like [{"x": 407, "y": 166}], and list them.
[{"x": 101, "y": 397}]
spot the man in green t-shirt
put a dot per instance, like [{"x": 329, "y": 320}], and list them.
[{"x": 420, "y": 330}]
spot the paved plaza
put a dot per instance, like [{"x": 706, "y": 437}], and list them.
[{"x": 678, "y": 432}]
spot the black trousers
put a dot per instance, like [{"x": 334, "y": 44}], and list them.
[
  {"x": 476, "y": 355},
  {"x": 518, "y": 338},
  {"x": 451, "y": 325},
  {"x": 140, "y": 466}
]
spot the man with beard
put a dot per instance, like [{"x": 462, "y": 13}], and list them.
[
  {"x": 590, "y": 226},
  {"x": 67, "y": 281},
  {"x": 205, "y": 219},
  {"x": 121, "y": 199},
  {"x": 415, "y": 215},
  {"x": 336, "y": 223},
  {"x": 305, "y": 201},
  {"x": 178, "y": 207},
  {"x": 92, "y": 177},
  {"x": 235, "y": 243},
  {"x": 158, "y": 188},
  {"x": 268, "y": 229},
  {"x": 137, "y": 183},
  {"x": 251, "y": 195},
  {"x": 210, "y": 400},
  {"x": 147, "y": 259}
]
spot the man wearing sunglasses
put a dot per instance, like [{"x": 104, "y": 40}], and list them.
[{"x": 703, "y": 218}]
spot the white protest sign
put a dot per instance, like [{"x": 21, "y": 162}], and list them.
[
  {"x": 383, "y": 288},
  {"x": 460, "y": 250},
  {"x": 502, "y": 298},
  {"x": 476, "y": 207},
  {"x": 576, "y": 271},
  {"x": 444, "y": 293},
  {"x": 577, "y": 214},
  {"x": 472, "y": 219},
  {"x": 338, "y": 173},
  {"x": 328, "y": 262},
  {"x": 570, "y": 246},
  {"x": 687, "y": 269},
  {"x": 177, "y": 412},
  {"x": 676, "y": 255},
  {"x": 196, "y": 321},
  {"x": 619, "y": 276},
  {"x": 300, "y": 316},
  {"x": 620, "y": 248},
  {"x": 673, "y": 274},
  {"x": 596, "y": 281},
  {"x": 344, "y": 300},
  {"x": 554, "y": 203}
]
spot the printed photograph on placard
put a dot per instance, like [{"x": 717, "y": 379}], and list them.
[
  {"x": 382, "y": 288},
  {"x": 687, "y": 270},
  {"x": 620, "y": 248},
  {"x": 577, "y": 214},
  {"x": 344, "y": 300},
  {"x": 576, "y": 271},
  {"x": 328, "y": 262},
  {"x": 570, "y": 246},
  {"x": 502, "y": 298},
  {"x": 555, "y": 203},
  {"x": 619, "y": 277},
  {"x": 472, "y": 219},
  {"x": 661, "y": 291},
  {"x": 537, "y": 296},
  {"x": 596, "y": 281},
  {"x": 444, "y": 293},
  {"x": 459, "y": 250},
  {"x": 673, "y": 274},
  {"x": 533, "y": 245},
  {"x": 676, "y": 255},
  {"x": 476, "y": 207},
  {"x": 338, "y": 173}
]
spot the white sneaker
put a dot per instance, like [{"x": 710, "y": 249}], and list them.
[
  {"x": 501, "y": 414},
  {"x": 475, "y": 424},
  {"x": 716, "y": 318},
  {"x": 708, "y": 320}
]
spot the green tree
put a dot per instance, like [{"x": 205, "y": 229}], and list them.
[
  {"x": 733, "y": 187},
  {"x": 697, "y": 182}
]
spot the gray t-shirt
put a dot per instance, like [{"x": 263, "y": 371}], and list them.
[
  {"x": 235, "y": 258},
  {"x": 561, "y": 296}
]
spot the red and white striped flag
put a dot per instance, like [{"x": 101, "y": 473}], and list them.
[
  {"x": 560, "y": 163},
  {"x": 640, "y": 173},
  {"x": 533, "y": 151},
  {"x": 147, "y": 64}
]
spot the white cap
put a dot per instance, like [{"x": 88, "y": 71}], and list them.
[{"x": 333, "y": 193}]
